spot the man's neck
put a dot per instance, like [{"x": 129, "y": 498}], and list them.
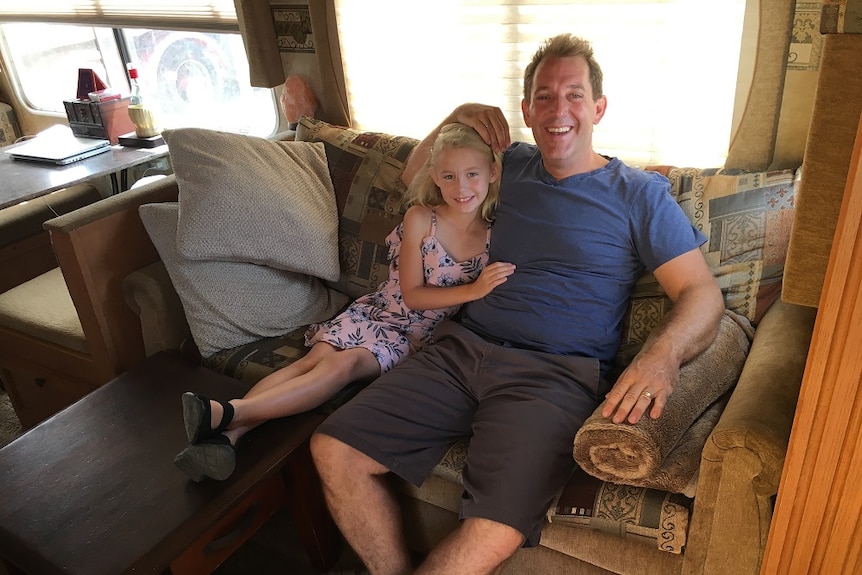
[{"x": 560, "y": 170}]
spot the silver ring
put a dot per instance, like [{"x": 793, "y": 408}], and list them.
[{"x": 647, "y": 394}]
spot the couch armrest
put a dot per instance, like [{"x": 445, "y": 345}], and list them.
[
  {"x": 151, "y": 295},
  {"x": 97, "y": 246},
  {"x": 743, "y": 457}
]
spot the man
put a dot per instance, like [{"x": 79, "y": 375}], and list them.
[{"x": 523, "y": 369}]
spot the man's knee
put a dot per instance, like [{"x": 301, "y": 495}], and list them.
[
  {"x": 325, "y": 451},
  {"x": 497, "y": 538},
  {"x": 332, "y": 456}
]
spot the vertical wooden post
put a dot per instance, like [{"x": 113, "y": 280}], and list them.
[{"x": 817, "y": 525}]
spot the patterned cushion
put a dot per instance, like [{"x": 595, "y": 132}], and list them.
[
  {"x": 253, "y": 200},
  {"x": 365, "y": 168},
  {"x": 624, "y": 510},
  {"x": 747, "y": 218},
  {"x": 617, "y": 509}
]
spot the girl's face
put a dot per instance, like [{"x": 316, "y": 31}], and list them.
[{"x": 463, "y": 176}]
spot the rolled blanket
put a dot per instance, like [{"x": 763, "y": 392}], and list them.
[{"x": 664, "y": 453}]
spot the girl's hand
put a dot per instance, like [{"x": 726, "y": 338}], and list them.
[{"x": 492, "y": 276}]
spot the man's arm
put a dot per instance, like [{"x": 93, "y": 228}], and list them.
[
  {"x": 688, "y": 329},
  {"x": 488, "y": 121}
]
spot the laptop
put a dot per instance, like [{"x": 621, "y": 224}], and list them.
[{"x": 58, "y": 146}]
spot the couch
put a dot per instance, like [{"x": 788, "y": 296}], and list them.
[{"x": 209, "y": 279}]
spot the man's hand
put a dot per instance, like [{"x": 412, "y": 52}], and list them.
[
  {"x": 688, "y": 329},
  {"x": 645, "y": 385},
  {"x": 488, "y": 121}
]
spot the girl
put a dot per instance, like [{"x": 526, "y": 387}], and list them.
[{"x": 445, "y": 234}]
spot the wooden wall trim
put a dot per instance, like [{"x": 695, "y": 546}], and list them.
[{"x": 818, "y": 513}]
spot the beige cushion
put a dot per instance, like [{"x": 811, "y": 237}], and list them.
[
  {"x": 25, "y": 219},
  {"x": 43, "y": 308},
  {"x": 233, "y": 303},
  {"x": 253, "y": 200}
]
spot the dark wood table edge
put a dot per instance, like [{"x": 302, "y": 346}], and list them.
[{"x": 304, "y": 501}]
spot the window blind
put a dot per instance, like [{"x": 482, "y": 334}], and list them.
[
  {"x": 214, "y": 15},
  {"x": 670, "y": 67}
]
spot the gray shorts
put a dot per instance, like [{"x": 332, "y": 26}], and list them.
[{"x": 520, "y": 409}]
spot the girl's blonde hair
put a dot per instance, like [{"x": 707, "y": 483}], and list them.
[{"x": 424, "y": 192}]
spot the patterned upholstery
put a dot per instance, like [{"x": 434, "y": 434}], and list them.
[
  {"x": 746, "y": 217},
  {"x": 841, "y": 17},
  {"x": 366, "y": 171}
]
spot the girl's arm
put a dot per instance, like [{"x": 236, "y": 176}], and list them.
[{"x": 418, "y": 296}]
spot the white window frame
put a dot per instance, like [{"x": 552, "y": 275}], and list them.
[{"x": 198, "y": 17}]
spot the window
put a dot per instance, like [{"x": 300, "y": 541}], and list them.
[
  {"x": 191, "y": 77},
  {"x": 670, "y": 79}
]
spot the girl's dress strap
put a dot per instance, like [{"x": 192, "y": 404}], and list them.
[{"x": 433, "y": 223}]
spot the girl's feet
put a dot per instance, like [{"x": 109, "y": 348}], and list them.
[
  {"x": 197, "y": 415},
  {"x": 214, "y": 457},
  {"x": 210, "y": 453}
]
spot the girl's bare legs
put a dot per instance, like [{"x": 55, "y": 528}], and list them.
[{"x": 303, "y": 385}]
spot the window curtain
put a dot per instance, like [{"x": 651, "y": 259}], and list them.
[
  {"x": 671, "y": 69},
  {"x": 296, "y": 40},
  {"x": 213, "y": 15},
  {"x": 760, "y": 86}
]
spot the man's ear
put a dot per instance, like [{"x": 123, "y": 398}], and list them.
[
  {"x": 525, "y": 111},
  {"x": 601, "y": 106}
]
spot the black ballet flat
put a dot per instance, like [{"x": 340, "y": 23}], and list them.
[
  {"x": 197, "y": 417},
  {"x": 214, "y": 457}
]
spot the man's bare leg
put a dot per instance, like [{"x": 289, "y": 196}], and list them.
[
  {"x": 362, "y": 505},
  {"x": 477, "y": 547}
]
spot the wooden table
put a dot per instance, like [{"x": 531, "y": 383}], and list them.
[
  {"x": 93, "y": 490},
  {"x": 23, "y": 180}
]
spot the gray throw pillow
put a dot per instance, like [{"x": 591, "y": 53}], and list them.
[
  {"x": 228, "y": 304},
  {"x": 249, "y": 199}
]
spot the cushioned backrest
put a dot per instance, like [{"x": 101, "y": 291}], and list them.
[
  {"x": 24, "y": 220},
  {"x": 747, "y": 219},
  {"x": 366, "y": 172}
]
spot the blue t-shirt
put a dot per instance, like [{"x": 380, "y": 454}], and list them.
[{"x": 579, "y": 245}]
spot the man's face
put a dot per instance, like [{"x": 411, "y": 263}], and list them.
[{"x": 561, "y": 114}]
